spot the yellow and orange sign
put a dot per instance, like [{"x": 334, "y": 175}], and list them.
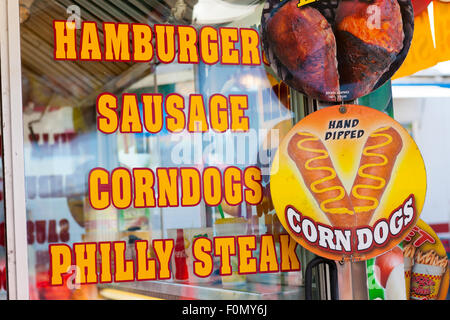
[
  {"x": 424, "y": 52},
  {"x": 426, "y": 264},
  {"x": 348, "y": 182}
]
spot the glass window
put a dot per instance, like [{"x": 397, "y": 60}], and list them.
[{"x": 63, "y": 147}]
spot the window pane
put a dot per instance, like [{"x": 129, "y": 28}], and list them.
[{"x": 63, "y": 146}]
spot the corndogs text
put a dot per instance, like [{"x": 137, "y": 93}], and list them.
[
  {"x": 134, "y": 42},
  {"x": 304, "y": 2},
  {"x": 352, "y": 240}
]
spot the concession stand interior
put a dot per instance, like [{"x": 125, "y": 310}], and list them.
[{"x": 51, "y": 144}]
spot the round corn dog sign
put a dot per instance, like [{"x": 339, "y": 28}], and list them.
[{"x": 348, "y": 182}]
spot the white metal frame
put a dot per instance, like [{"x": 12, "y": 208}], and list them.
[{"x": 13, "y": 159}]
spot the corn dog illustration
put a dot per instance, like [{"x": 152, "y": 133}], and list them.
[
  {"x": 375, "y": 169},
  {"x": 314, "y": 163}
]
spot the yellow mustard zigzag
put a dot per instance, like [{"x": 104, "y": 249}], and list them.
[
  {"x": 382, "y": 182},
  {"x": 313, "y": 186}
]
